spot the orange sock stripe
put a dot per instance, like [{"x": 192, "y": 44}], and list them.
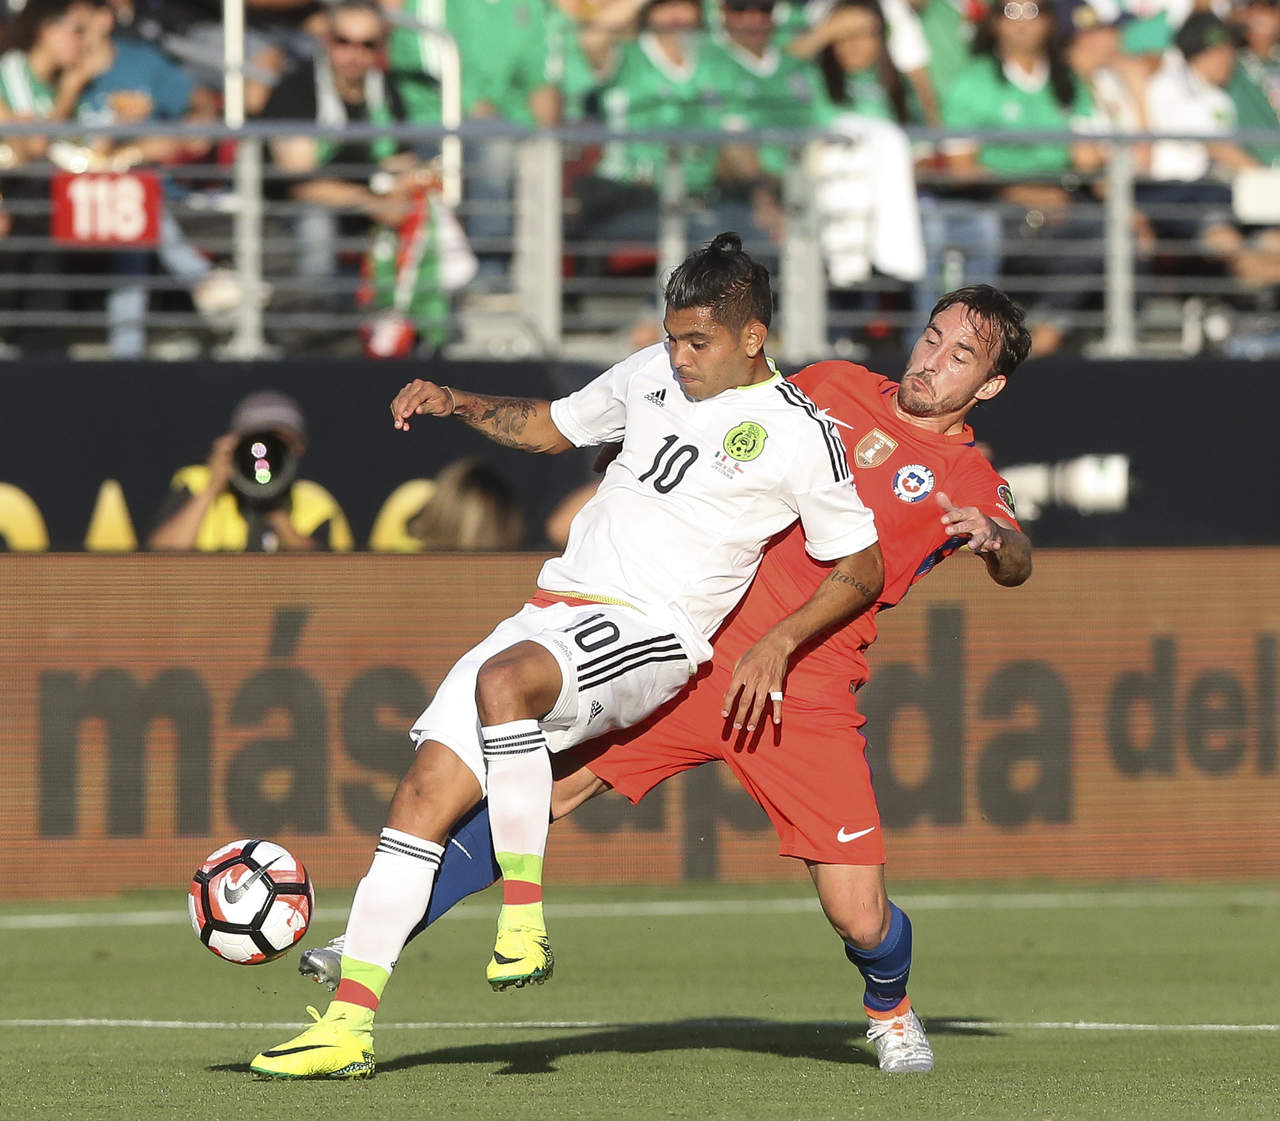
[
  {"x": 521, "y": 891},
  {"x": 355, "y": 993},
  {"x": 900, "y": 1009}
]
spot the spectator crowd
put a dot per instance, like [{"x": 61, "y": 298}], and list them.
[{"x": 924, "y": 217}]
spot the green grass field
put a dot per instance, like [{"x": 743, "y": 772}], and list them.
[{"x": 705, "y": 1001}]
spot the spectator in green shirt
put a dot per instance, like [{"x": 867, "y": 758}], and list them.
[
  {"x": 904, "y": 41},
  {"x": 758, "y": 86},
  {"x": 789, "y": 18},
  {"x": 948, "y": 27},
  {"x": 507, "y": 77},
  {"x": 1019, "y": 80},
  {"x": 506, "y": 72},
  {"x": 859, "y": 74},
  {"x": 663, "y": 79},
  {"x": 1255, "y": 84}
]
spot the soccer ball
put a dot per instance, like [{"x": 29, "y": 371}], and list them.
[{"x": 250, "y": 901}]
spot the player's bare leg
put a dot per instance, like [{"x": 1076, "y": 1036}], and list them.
[
  {"x": 514, "y": 691},
  {"x": 434, "y": 793},
  {"x": 877, "y": 939},
  {"x": 437, "y": 790}
]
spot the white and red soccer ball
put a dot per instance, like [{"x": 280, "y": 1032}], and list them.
[{"x": 250, "y": 901}]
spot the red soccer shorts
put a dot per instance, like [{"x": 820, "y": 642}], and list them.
[{"x": 809, "y": 774}]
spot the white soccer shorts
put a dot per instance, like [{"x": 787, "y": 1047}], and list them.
[{"x": 616, "y": 665}]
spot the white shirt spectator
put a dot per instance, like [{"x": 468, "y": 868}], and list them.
[{"x": 1180, "y": 101}]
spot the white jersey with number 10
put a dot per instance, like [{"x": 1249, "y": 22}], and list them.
[{"x": 685, "y": 511}]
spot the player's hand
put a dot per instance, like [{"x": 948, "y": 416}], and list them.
[
  {"x": 220, "y": 461},
  {"x": 968, "y": 521},
  {"x": 420, "y": 398},
  {"x": 756, "y": 686}
]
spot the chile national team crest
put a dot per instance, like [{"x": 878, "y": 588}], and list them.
[{"x": 913, "y": 482}]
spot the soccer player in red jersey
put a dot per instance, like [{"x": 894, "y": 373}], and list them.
[
  {"x": 932, "y": 491},
  {"x": 918, "y": 469}
]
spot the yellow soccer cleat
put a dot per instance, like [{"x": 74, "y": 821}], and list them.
[
  {"x": 520, "y": 955},
  {"x": 327, "y": 1049}
]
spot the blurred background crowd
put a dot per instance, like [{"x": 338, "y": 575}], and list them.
[{"x": 364, "y": 251}]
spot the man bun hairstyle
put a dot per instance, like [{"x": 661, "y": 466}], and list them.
[
  {"x": 997, "y": 319},
  {"x": 722, "y": 276}
]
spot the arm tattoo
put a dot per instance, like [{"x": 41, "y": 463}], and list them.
[
  {"x": 838, "y": 577},
  {"x": 503, "y": 419}
]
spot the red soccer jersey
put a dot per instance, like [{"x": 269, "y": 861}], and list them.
[{"x": 899, "y": 470}]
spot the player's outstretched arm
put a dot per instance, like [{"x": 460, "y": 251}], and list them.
[
  {"x": 514, "y": 422},
  {"x": 1006, "y": 550},
  {"x": 852, "y": 585}
]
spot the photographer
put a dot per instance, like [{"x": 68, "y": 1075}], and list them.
[{"x": 247, "y": 497}]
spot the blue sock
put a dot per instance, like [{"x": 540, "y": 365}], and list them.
[
  {"x": 886, "y": 968},
  {"x": 468, "y": 866}
]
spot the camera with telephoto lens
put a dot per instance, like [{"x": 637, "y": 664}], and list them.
[{"x": 264, "y": 465}]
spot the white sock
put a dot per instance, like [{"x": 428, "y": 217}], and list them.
[
  {"x": 392, "y": 897},
  {"x": 518, "y": 769}
]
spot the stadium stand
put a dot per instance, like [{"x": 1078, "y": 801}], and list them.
[{"x": 603, "y": 137}]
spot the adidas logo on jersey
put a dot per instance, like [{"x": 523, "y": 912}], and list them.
[
  {"x": 596, "y": 709},
  {"x": 657, "y": 397}
]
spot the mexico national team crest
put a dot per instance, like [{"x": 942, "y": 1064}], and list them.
[
  {"x": 745, "y": 441},
  {"x": 873, "y": 449},
  {"x": 913, "y": 482}
]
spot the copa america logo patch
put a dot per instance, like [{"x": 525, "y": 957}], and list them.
[
  {"x": 1006, "y": 498},
  {"x": 912, "y": 482}
]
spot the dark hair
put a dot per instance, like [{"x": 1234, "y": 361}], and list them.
[
  {"x": 370, "y": 6},
  {"x": 1201, "y": 31},
  {"x": 996, "y": 318},
  {"x": 642, "y": 17},
  {"x": 724, "y": 278},
  {"x": 887, "y": 74},
  {"x": 22, "y": 30},
  {"x": 1061, "y": 78}
]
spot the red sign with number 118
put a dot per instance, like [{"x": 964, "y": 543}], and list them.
[{"x": 106, "y": 208}]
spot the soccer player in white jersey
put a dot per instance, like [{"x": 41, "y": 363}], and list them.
[{"x": 719, "y": 453}]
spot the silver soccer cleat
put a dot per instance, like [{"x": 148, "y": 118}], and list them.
[
  {"x": 901, "y": 1044},
  {"x": 323, "y": 964}
]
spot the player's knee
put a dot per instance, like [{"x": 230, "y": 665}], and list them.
[
  {"x": 863, "y": 922},
  {"x": 507, "y": 688},
  {"x": 434, "y": 793}
]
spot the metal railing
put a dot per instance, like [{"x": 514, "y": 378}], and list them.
[{"x": 551, "y": 284}]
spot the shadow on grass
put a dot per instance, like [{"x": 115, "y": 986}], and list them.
[
  {"x": 836, "y": 1043},
  {"x": 959, "y": 1025},
  {"x": 820, "y": 1040}
]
